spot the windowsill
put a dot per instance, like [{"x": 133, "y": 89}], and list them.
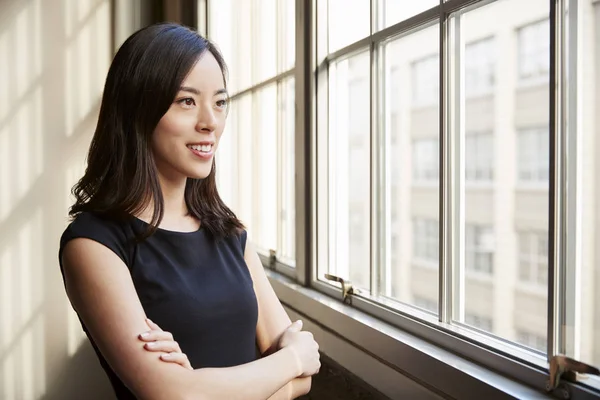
[{"x": 431, "y": 366}]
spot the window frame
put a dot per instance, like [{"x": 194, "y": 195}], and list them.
[{"x": 311, "y": 66}]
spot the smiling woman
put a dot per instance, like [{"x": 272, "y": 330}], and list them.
[{"x": 151, "y": 238}]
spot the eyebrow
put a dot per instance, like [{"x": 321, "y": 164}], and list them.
[{"x": 197, "y": 92}]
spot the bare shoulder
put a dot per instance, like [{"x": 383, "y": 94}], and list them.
[{"x": 101, "y": 290}]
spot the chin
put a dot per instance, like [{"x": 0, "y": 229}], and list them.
[{"x": 198, "y": 174}]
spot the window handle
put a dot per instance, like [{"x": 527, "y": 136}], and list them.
[
  {"x": 563, "y": 367},
  {"x": 272, "y": 259},
  {"x": 347, "y": 288}
]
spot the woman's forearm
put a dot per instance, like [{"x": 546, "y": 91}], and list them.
[
  {"x": 258, "y": 380},
  {"x": 294, "y": 389}
]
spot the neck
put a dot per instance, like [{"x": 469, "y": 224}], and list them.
[{"x": 173, "y": 192}]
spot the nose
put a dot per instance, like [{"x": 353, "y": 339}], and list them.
[{"x": 207, "y": 121}]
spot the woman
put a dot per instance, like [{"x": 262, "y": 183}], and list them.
[{"x": 151, "y": 239}]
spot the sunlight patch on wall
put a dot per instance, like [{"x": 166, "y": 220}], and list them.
[
  {"x": 27, "y": 56},
  {"x": 26, "y": 144},
  {"x": 87, "y": 58},
  {"x": 4, "y": 78}
]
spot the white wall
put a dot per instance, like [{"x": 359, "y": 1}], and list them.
[{"x": 54, "y": 56}]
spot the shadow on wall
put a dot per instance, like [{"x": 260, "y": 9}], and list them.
[{"x": 54, "y": 55}]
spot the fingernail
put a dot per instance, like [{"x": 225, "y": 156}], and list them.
[
  {"x": 150, "y": 344},
  {"x": 149, "y": 320},
  {"x": 166, "y": 355},
  {"x": 144, "y": 334}
]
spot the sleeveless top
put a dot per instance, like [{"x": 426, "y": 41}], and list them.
[{"x": 190, "y": 284}]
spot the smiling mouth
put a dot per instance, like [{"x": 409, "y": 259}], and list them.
[{"x": 202, "y": 148}]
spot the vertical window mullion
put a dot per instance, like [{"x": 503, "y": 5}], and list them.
[{"x": 556, "y": 310}]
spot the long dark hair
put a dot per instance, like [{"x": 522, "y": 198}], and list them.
[{"x": 121, "y": 177}]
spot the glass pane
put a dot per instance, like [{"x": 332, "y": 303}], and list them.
[
  {"x": 287, "y": 216},
  {"x": 583, "y": 266},
  {"x": 245, "y": 139},
  {"x": 227, "y": 160},
  {"x": 264, "y": 150},
  {"x": 349, "y": 21},
  {"x": 394, "y": 11},
  {"x": 503, "y": 142},
  {"x": 264, "y": 29},
  {"x": 349, "y": 171},
  {"x": 231, "y": 29},
  {"x": 287, "y": 38},
  {"x": 411, "y": 93}
]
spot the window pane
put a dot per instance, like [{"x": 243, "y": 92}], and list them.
[
  {"x": 393, "y": 11},
  {"x": 348, "y": 171},
  {"x": 264, "y": 29},
  {"x": 227, "y": 161},
  {"x": 287, "y": 158},
  {"x": 287, "y": 36},
  {"x": 582, "y": 325},
  {"x": 412, "y": 169},
  {"x": 231, "y": 29},
  {"x": 349, "y": 22},
  {"x": 245, "y": 162},
  {"x": 503, "y": 143},
  {"x": 264, "y": 149}
]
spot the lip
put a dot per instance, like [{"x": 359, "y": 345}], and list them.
[{"x": 200, "y": 154}]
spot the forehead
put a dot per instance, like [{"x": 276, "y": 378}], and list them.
[{"x": 205, "y": 74}]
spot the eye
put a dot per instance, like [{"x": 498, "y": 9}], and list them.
[
  {"x": 222, "y": 103},
  {"x": 188, "y": 102}
]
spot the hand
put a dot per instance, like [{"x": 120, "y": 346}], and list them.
[
  {"x": 304, "y": 347},
  {"x": 158, "y": 340}
]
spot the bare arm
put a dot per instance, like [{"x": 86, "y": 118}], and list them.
[
  {"x": 100, "y": 289},
  {"x": 272, "y": 322}
]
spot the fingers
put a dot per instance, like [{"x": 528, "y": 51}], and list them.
[
  {"x": 166, "y": 346},
  {"x": 177, "y": 358},
  {"x": 154, "y": 335},
  {"x": 296, "y": 326},
  {"x": 152, "y": 325}
]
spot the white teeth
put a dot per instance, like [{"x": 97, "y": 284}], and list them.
[{"x": 203, "y": 148}]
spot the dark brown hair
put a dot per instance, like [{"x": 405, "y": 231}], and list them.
[{"x": 121, "y": 177}]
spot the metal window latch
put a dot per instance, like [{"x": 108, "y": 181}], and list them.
[
  {"x": 272, "y": 259},
  {"x": 347, "y": 288},
  {"x": 563, "y": 367}
]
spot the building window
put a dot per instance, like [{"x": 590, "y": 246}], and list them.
[
  {"x": 532, "y": 340},
  {"x": 425, "y": 303},
  {"x": 426, "y": 81},
  {"x": 534, "y": 50},
  {"x": 479, "y": 249},
  {"x": 479, "y": 322},
  {"x": 426, "y": 160},
  {"x": 479, "y": 158},
  {"x": 533, "y": 150},
  {"x": 426, "y": 238},
  {"x": 479, "y": 67},
  {"x": 533, "y": 257}
]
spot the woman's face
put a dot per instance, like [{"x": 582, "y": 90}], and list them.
[{"x": 187, "y": 136}]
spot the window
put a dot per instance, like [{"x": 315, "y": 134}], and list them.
[
  {"x": 534, "y": 50},
  {"x": 533, "y": 155},
  {"x": 255, "y": 161},
  {"x": 426, "y": 160},
  {"x": 479, "y": 158},
  {"x": 479, "y": 322},
  {"x": 426, "y": 237},
  {"x": 537, "y": 342},
  {"x": 426, "y": 85},
  {"x": 533, "y": 257},
  {"x": 479, "y": 67},
  {"x": 426, "y": 304},
  {"x": 384, "y": 166},
  {"x": 479, "y": 249}
]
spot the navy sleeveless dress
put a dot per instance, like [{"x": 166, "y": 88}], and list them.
[{"x": 190, "y": 284}]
